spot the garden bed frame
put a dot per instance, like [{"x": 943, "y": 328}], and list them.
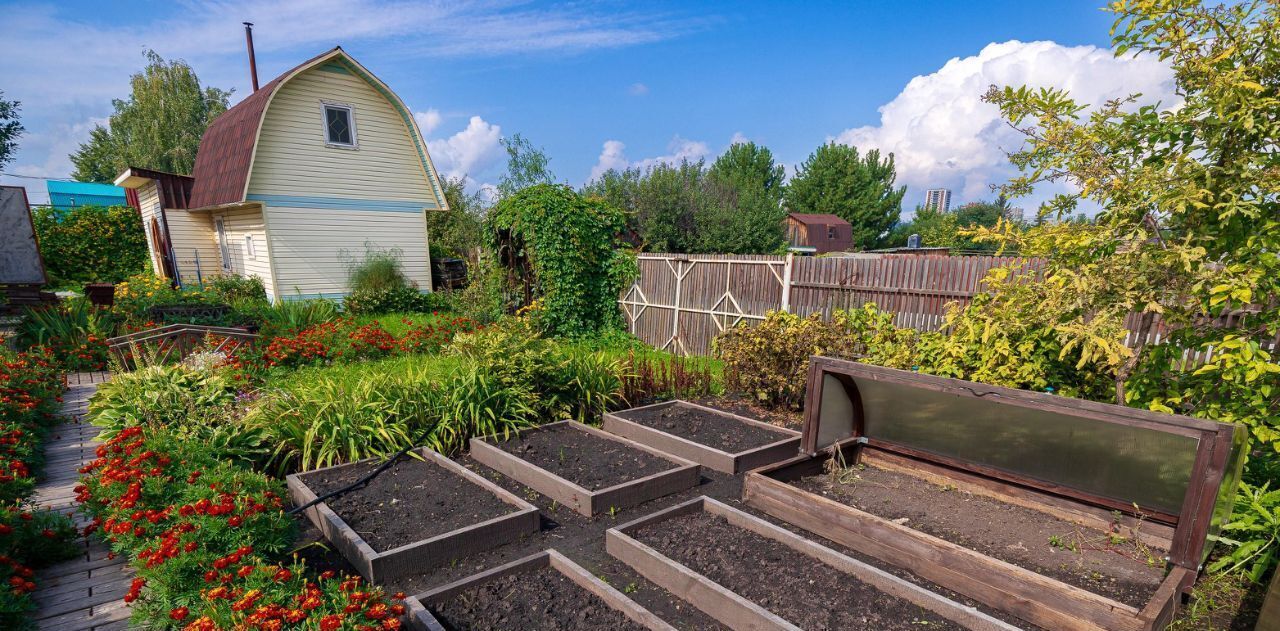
[
  {"x": 739, "y": 613},
  {"x": 434, "y": 551},
  {"x": 705, "y": 455},
  {"x": 1031, "y": 596},
  {"x": 684, "y": 474},
  {"x": 421, "y": 618}
]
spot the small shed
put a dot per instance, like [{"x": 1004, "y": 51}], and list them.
[
  {"x": 69, "y": 195},
  {"x": 822, "y": 232}
]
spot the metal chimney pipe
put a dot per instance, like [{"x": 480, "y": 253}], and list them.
[{"x": 253, "y": 63}]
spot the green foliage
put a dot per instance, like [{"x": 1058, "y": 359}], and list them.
[
  {"x": 395, "y": 300},
  {"x": 457, "y": 232},
  {"x": 1252, "y": 538},
  {"x": 562, "y": 250},
  {"x": 733, "y": 207},
  {"x": 526, "y": 166},
  {"x": 74, "y": 330},
  {"x": 232, "y": 288},
  {"x": 158, "y": 127},
  {"x": 29, "y": 541},
  {"x": 379, "y": 270},
  {"x": 952, "y": 229},
  {"x": 835, "y": 179},
  {"x": 10, "y": 128},
  {"x": 293, "y": 315},
  {"x": 91, "y": 244}
]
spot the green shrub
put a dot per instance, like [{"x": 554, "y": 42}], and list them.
[
  {"x": 394, "y": 300},
  {"x": 770, "y": 361},
  {"x": 379, "y": 271},
  {"x": 231, "y": 288},
  {"x": 294, "y": 315},
  {"x": 564, "y": 252},
  {"x": 91, "y": 244}
]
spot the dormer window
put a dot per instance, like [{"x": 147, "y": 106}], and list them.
[{"x": 339, "y": 125}]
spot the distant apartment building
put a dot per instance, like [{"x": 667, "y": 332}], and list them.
[
  {"x": 1015, "y": 213},
  {"x": 937, "y": 199}
]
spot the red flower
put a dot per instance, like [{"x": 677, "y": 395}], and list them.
[
  {"x": 179, "y": 613},
  {"x": 331, "y": 622}
]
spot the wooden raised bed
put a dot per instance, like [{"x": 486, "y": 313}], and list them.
[
  {"x": 436, "y": 550},
  {"x": 682, "y": 474},
  {"x": 976, "y": 438},
  {"x": 420, "y": 616},
  {"x": 786, "y": 444},
  {"x": 738, "y": 612}
]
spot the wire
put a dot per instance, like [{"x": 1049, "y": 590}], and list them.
[
  {"x": 354, "y": 485},
  {"x": 38, "y": 177}
]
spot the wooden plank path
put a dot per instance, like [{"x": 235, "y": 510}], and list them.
[{"x": 84, "y": 593}]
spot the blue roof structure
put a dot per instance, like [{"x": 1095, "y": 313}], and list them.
[{"x": 68, "y": 195}]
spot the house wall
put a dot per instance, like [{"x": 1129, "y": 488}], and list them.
[
  {"x": 192, "y": 234},
  {"x": 238, "y": 224},
  {"x": 797, "y": 234},
  {"x": 149, "y": 208},
  {"x": 323, "y": 203}
]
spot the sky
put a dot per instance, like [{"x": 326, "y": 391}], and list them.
[{"x": 603, "y": 85}]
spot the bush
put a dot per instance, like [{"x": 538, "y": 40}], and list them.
[
  {"x": 1252, "y": 537},
  {"x": 379, "y": 271},
  {"x": 565, "y": 252},
  {"x": 394, "y": 300},
  {"x": 290, "y": 316},
  {"x": 770, "y": 361},
  {"x": 135, "y": 297},
  {"x": 28, "y": 541},
  {"x": 231, "y": 288},
  {"x": 90, "y": 244},
  {"x": 30, "y": 389}
]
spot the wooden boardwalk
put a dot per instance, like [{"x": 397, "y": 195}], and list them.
[{"x": 86, "y": 592}]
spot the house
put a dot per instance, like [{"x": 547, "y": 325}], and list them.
[
  {"x": 68, "y": 195},
  {"x": 818, "y": 233},
  {"x": 294, "y": 183}
]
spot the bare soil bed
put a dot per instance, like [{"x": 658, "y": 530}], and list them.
[
  {"x": 705, "y": 428},
  {"x": 1110, "y": 564},
  {"x": 410, "y": 501},
  {"x": 543, "y": 599},
  {"x": 779, "y": 579},
  {"x": 586, "y": 460}
]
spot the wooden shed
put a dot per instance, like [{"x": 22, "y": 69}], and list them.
[
  {"x": 822, "y": 232},
  {"x": 294, "y": 183}
]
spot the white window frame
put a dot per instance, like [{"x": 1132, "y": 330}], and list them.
[
  {"x": 351, "y": 118},
  {"x": 224, "y": 248},
  {"x": 250, "y": 249}
]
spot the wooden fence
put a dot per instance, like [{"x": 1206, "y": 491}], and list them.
[{"x": 681, "y": 302}]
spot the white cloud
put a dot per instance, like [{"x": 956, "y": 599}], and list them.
[
  {"x": 429, "y": 120},
  {"x": 613, "y": 156},
  {"x": 738, "y": 138},
  {"x": 638, "y": 89},
  {"x": 58, "y": 83},
  {"x": 943, "y": 135},
  {"x": 470, "y": 152}
]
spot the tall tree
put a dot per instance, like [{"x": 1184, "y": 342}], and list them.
[
  {"x": 457, "y": 232},
  {"x": 10, "y": 129},
  {"x": 835, "y": 179},
  {"x": 158, "y": 127},
  {"x": 667, "y": 200},
  {"x": 526, "y": 166},
  {"x": 745, "y": 187}
]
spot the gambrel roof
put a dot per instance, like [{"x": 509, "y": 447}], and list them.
[{"x": 225, "y": 158}]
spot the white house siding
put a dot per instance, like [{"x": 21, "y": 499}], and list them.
[
  {"x": 192, "y": 234},
  {"x": 313, "y": 248},
  {"x": 149, "y": 208},
  {"x": 325, "y": 203},
  {"x": 241, "y": 223}
]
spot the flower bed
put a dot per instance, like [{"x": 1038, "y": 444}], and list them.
[
  {"x": 30, "y": 389},
  {"x": 206, "y": 538}
]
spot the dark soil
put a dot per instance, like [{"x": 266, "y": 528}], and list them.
[
  {"x": 411, "y": 501},
  {"x": 542, "y": 599},
  {"x": 705, "y": 428},
  {"x": 585, "y": 459},
  {"x": 1114, "y": 566},
  {"x": 799, "y": 589},
  {"x": 782, "y": 417}
]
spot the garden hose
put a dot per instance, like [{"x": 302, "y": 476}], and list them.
[{"x": 354, "y": 485}]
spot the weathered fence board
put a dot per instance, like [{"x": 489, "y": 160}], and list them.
[{"x": 682, "y": 302}]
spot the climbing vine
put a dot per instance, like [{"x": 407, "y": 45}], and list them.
[{"x": 562, "y": 256}]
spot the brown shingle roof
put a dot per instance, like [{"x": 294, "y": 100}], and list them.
[
  {"x": 818, "y": 219},
  {"x": 226, "y": 149}
]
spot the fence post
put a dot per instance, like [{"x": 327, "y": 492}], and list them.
[
  {"x": 675, "y": 318},
  {"x": 786, "y": 283}
]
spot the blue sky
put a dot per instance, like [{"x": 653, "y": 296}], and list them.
[{"x": 605, "y": 84}]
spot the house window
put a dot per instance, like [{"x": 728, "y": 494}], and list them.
[
  {"x": 831, "y": 233},
  {"x": 339, "y": 125},
  {"x": 249, "y": 249},
  {"x": 224, "y": 248}
]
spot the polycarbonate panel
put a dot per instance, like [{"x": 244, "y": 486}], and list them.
[{"x": 1120, "y": 462}]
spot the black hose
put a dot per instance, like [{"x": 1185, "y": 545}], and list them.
[{"x": 354, "y": 485}]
